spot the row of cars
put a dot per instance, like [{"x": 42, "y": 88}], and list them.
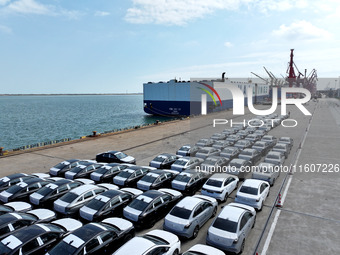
[{"x": 96, "y": 201}]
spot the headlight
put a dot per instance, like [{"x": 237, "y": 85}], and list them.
[
  {"x": 187, "y": 225},
  {"x": 235, "y": 240}
]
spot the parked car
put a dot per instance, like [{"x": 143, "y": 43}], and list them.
[
  {"x": 275, "y": 158},
  {"x": 185, "y": 163},
  {"x": 231, "y": 228},
  {"x": 154, "y": 242},
  {"x": 269, "y": 138},
  {"x": 60, "y": 168},
  {"x": 238, "y": 167},
  {"x": 108, "y": 203},
  {"x": 287, "y": 140},
  {"x": 283, "y": 148},
  {"x": 11, "y": 222},
  {"x": 253, "y": 137},
  {"x": 205, "y": 142},
  {"x": 221, "y": 144},
  {"x": 267, "y": 172},
  {"x": 157, "y": 179},
  {"x": 260, "y": 132},
  {"x": 229, "y": 131},
  {"x": 152, "y": 205},
  {"x": 189, "y": 181},
  {"x": 41, "y": 237},
  {"x": 253, "y": 193},
  {"x": 15, "y": 207},
  {"x": 164, "y": 160},
  {"x": 12, "y": 179},
  {"x": 22, "y": 190},
  {"x": 187, "y": 150},
  {"x": 206, "y": 152},
  {"x": 70, "y": 203},
  {"x": 220, "y": 186},
  {"x": 45, "y": 196},
  {"x": 102, "y": 238},
  {"x": 243, "y": 144},
  {"x": 230, "y": 152},
  {"x": 82, "y": 170},
  {"x": 201, "y": 249},
  {"x": 251, "y": 155},
  {"x": 106, "y": 172},
  {"x": 250, "y": 130},
  {"x": 262, "y": 147},
  {"x": 242, "y": 134},
  {"x": 189, "y": 215},
  {"x": 131, "y": 175},
  {"x": 214, "y": 164},
  {"x": 233, "y": 138},
  {"x": 218, "y": 136},
  {"x": 265, "y": 128},
  {"x": 115, "y": 157}
]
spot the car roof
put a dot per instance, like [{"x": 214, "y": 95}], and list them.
[
  {"x": 31, "y": 180},
  {"x": 219, "y": 176},
  {"x": 83, "y": 188},
  {"x": 231, "y": 213},
  {"x": 112, "y": 152},
  {"x": 111, "y": 193},
  {"x": 238, "y": 160},
  {"x": 152, "y": 194},
  {"x": 189, "y": 203},
  {"x": 274, "y": 153},
  {"x": 252, "y": 183},
  {"x": 62, "y": 182},
  {"x": 248, "y": 149},
  {"x": 156, "y": 173},
  {"x": 137, "y": 245},
  {"x": 33, "y": 230},
  {"x": 89, "y": 230}
]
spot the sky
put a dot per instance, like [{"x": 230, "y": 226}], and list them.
[{"x": 86, "y": 46}]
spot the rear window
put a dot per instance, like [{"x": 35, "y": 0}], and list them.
[
  {"x": 226, "y": 225},
  {"x": 249, "y": 190},
  {"x": 215, "y": 183},
  {"x": 180, "y": 212}
]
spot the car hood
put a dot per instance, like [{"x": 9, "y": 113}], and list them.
[
  {"x": 68, "y": 223},
  {"x": 19, "y": 206},
  {"x": 128, "y": 159}
]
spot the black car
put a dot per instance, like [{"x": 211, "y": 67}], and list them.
[
  {"x": 230, "y": 152},
  {"x": 131, "y": 175},
  {"x": 15, "y": 207},
  {"x": 62, "y": 167},
  {"x": 157, "y": 179},
  {"x": 164, "y": 160},
  {"x": 11, "y": 222},
  {"x": 96, "y": 238},
  {"x": 41, "y": 237},
  {"x": 108, "y": 203},
  {"x": 22, "y": 190},
  {"x": 115, "y": 157},
  {"x": 107, "y": 172},
  {"x": 251, "y": 155},
  {"x": 189, "y": 181},
  {"x": 12, "y": 179},
  {"x": 83, "y": 170},
  {"x": 152, "y": 205},
  {"x": 45, "y": 196},
  {"x": 187, "y": 150}
]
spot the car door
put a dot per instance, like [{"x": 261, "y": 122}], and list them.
[
  {"x": 207, "y": 210},
  {"x": 30, "y": 247},
  {"x": 199, "y": 214},
  {"x": 249, "y": 218},
  {"x": 230, "y": 184},
  {"x": 158, "y": 251},
  {"x": 48, "y": 240},
  {"x": 242, "y": 228},
  {"x": 92, "y": 246},
  {"x": 109, "y": 241}
]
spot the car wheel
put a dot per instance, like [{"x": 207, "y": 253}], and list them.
[
  {"x": 273, "y": 182},
  {"x": 127, "y": 238},
  {"x": 214, "y": 212},
  {"x": 225, "y": 197},
  {"x": 254, "y": 222},
  {"x": 195, "y": 232},
  {"x": 175, "y": 252},
  {"x": 242, "y": 247},
  {"x": 260, "y": 209}
]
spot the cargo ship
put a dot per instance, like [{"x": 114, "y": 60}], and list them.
[{"x": 184, "y": 98}]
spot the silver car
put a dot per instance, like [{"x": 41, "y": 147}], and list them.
[
  {"x": 286, "y": 140},
  {"x": 231, "y": 227},
  {"x": 283, "y": 148},
  {"x": 267, "y": 172},
  {"x": 205, "y": 142},
  {"x": 221, "y": 144},
  {"x": 274, "y": 157},
  {"x": 207, "y": 152},
  {"x": 189, "y": 215},
  {"x": 270, "y": 138},
  {"x": 218, "y": 136},
  {"x": 185, "y": 163}
]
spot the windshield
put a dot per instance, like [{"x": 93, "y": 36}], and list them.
[
  {"x": 226, "y": 225},
  {"x": 63, "y": 248},
  {"x": 124, "y": 174},
  {"x": 234, "y": 164},
  {"x": 215, "y": 183},
  {"x": 77, "y": 169},
  {"x": 210, "y": 162},
  {"x": 95, "y": 204},
  {"x": 44, "y": 191},
  {"x": 60, "y": 166},
  {"x": 14, "y": 189},
  {"x": 203, "y": 151},
  {"x": 4, "y": 249},
  {"x": 248, "y": 153},
  {"x": 180, "y": 212},
  {"x": 272, "y": 156},
  {"x": 148, "y": 178},
  {"x": 69, "y": 197},
  {"x": 259, "y": 145},
  {"x": 182, "y": 178},
  {"x": 138, "y": 204},
  {"x": 248, "y": 190},
  {"x": 120, "y": 155},
  {"x": 159, "y": 159},
  {"x": 180, "y": 162},
  {"x": 184, "y": 148}
]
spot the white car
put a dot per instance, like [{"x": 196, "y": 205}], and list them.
[
  {"x": 201, "y": 249},
  {"x": 231, "y": 227},
  {"x": 253, "y": 192},
  {"x": 220, "y": 186},
  {"x": 153, "y": 242},
  {"x": 275, "y": 158}
]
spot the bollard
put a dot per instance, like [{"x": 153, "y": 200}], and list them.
[
  {"x": 1, "y": 151},
  {"x": 94, "y": 133}
]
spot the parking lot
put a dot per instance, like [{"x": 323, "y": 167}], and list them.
[{"x": 307, "y": 223}]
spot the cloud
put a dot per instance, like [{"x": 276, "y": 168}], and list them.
[
  {"x": 5, "y": 29},
  {"x": 4, "y": 2},
  {"x": 228, "y": 44},
  {"x": 301, "y": 30},
  {"x": 101, "y": 13}
]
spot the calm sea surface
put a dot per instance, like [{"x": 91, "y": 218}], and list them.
[{"x": 26, "y": 120}]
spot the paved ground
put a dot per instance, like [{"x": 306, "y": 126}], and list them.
[{"x": 306, "y": 224}]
